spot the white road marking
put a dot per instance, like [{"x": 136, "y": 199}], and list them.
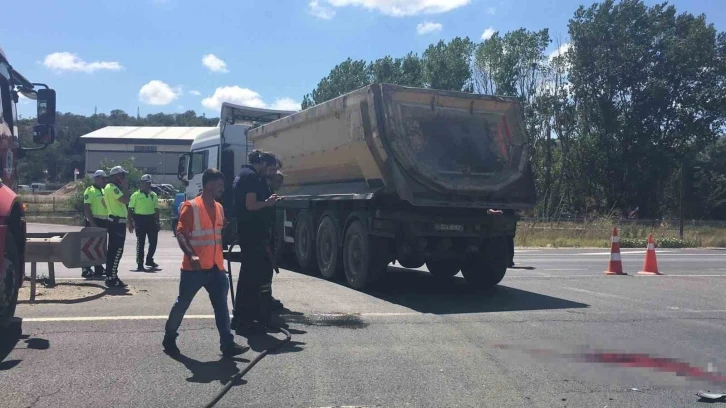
[{"x": 164, "y": 317}]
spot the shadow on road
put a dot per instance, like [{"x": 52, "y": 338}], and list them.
[
  {"x": 425, "y": 293},
  {"x": 106, "y": 292},
  {"x": 205, "y": 372},
  {"x": 11, "y": 341}
]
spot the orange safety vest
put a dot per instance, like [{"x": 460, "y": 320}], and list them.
[{"x": 205, "y": 238}]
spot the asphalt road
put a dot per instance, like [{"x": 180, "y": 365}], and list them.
[{"x": 414, "y": 342}]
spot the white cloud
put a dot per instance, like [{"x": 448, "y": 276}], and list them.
[
  {"x": 560, "y": 51},
  {"x": 158, "y": 93},
  {"x": 402, "y": 8},
  {"x": 323, "y": 12},
  {"x": 287, "y": 104},
  {"x": 488, "y": 33},
  {"x": 245, "y": 97},
  {"x": 195, "y": 92},
  {"x": 65, "y": 61},
  {"x": 428, "y": 27},
  {"x": 233, "y": 94},
  {"x": 214, "y": 64},
  {"x": 492, "y": 10}
]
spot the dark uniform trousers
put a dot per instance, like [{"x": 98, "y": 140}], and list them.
[
  {"x": 100, "y": 223},
  {"x": 254, "y": 286},
  {"x": 116, "y": 241},
  {"x": 145, "y": 226}
]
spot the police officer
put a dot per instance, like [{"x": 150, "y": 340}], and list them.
[
  {"x": 144, "y": 207},
  {"x": 117, "y": 197},
  {"x": 95, "y": 212},
  {"x": 252, "y": 197}
]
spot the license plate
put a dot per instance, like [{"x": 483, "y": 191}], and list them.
[{"x": 448, "y": 227}]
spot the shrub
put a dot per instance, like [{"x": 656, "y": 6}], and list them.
[{"x": 663, "y": 242}]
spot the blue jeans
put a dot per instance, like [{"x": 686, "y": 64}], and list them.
[{"x": 217, "y": 284}]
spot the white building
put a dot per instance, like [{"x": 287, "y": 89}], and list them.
[{"x": 154, "y": 150}]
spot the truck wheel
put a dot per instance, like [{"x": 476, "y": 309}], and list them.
[
  {"x": 362, "y": 262},
  {"x": 328, "y": 248},
  {"x": 305, "y": 241},
  {"x": 10, "y": 286},
  {"x": 488, "y": 267},
  {"x": 443, "y": 268}
]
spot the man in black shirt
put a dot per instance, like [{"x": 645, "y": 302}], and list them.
[{"x": 253, "y": 202}]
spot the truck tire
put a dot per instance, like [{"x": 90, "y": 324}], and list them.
[
  {"x": 443, "y": 268},
  {"x": 9, "y": 294},
  {"x": 487, "y": 268},
  {"x": 363, "y": 261},
  {"x": 305, "y": 241},
  {"x": 328, "y": 248}
]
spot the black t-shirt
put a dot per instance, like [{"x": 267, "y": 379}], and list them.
[{"x": 252, "y": 226}]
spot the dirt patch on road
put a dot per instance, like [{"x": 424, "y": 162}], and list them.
[{"x": 70, "y": 292}]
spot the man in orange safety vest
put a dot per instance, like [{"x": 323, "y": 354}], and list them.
[{"x": 199, "y": 233}]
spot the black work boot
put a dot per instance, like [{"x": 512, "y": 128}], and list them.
[
  {"x": 115, "y": 282},
  {"x": 151, "y": 263},
  {"x": 233, "y": 349}
]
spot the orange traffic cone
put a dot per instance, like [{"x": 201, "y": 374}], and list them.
[
  {"x": 615, "y": 266},
  {"x": 650, "y": 266}
]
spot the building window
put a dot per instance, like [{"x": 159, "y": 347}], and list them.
[{"x": 147, "y": 149}]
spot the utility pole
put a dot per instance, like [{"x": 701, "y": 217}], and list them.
[{"x": 680, "y": 227}]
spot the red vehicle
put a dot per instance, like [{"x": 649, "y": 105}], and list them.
[
  {"x": 12, "y": 221},
  {"x": 18, "y": 246}
]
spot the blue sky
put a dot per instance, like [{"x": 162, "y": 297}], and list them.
[{"x": 173, "y": 55}]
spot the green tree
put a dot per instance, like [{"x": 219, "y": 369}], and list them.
[
  {"x": 447, "y": 66},
  {"x": 343, "y": 78},
  {"x": 406, "y": 71},
  {"x": 649, "y": 89}
]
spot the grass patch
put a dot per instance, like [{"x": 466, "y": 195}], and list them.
[{"x": 597, "y": 234}]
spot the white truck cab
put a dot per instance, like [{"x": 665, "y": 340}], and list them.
[{"x": 224, "y": 148}]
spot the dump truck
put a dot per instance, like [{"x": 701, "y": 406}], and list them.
[
  {"x": 75, "y": 249},
  {"x": 388, "y": 174}
]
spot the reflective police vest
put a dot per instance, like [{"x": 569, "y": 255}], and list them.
[{"x": 205, "y": 237}]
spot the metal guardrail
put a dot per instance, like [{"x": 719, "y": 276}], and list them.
[{"x": 77, "y": 249}]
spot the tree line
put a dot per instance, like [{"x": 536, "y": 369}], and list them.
[
  {"x": 56, "y": 163},
  {"x": 628, "y": 113}
]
